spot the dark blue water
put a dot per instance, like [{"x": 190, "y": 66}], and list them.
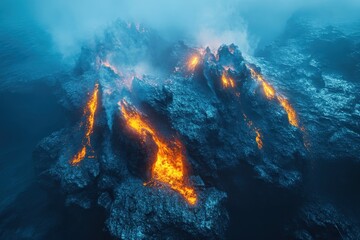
[
  {"x": 25, "y": 56},
  {"x": 29, "y": 111}
]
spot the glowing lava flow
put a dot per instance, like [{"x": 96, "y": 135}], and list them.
[
  {"x": 268, "y": 89},
  {"x": 226, "y": 81},
  {"x": 258, "y": 139},
  {"x": 168, "y": 166},
  {"x": 270, "y": 94},
  {"x": 292, "y": 116},
  {"x": 193, "y": 62},
  {"x": 89, "y": 113}
]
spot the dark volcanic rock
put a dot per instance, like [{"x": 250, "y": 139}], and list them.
[
  {"x": 152, "y": 213},
  {"x": 319, "y": 220},
  {"x": 218, "y": 125},
  {"x": 109, "y": 175},
  {"x": 321, "y": 67}
]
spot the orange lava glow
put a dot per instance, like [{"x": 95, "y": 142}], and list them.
[
  {"x": 168, "y": 166},
  {"x": 270, "y": 94},
  {"x": 227, "y": 82},
  {"x": 258, "y": 139},
  {"x": 193, "y": 62},
  {"x": 292, "y": 116},
  {"x": 268, "y": 89},
  {"x": 79, "y": 156},
  {"x": 89, "y": 113}
]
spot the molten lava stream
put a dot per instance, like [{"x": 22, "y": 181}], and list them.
[
  {"x": 270, "y": 93},
  {"x": 89, "y": 114},
  {"x": 258, "y": 139},
  {"x": 226, "y": 81},
  {"x": 168, "y": 166},
  {"x": 268, "y": 89},
  {"x": 292, "y": 116}
]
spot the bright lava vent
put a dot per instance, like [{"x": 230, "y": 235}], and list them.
[{"x": 168, "y": 164}]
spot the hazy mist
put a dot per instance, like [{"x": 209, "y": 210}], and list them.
[{"x": 202, "y": 22}]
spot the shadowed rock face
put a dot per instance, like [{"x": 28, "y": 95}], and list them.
[
  {"x": 218, "y": 111},
  {"x": 321, "y": 220}
]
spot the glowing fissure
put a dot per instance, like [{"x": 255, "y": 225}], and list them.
[
  {"x": 168, "y": 165},
  {"x": 226, "y": 81},
  {"x": 258, "y": 137},
  {"x": 89, "y": 114},
  {"x": 268, "y": 89},
  {"x": 270, "y": 93},
  {"x": 292, "y": 116},
  {"x": 193, "y": 62}
]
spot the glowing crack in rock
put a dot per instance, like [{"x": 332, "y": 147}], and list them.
[
  {"x": 268, "y": 89},
  {"x": 258, "y": 139},
  {"x": 89, "y": 114},
  {"x": 193, "y": 62},
  {"x": 270, "y": 93},
  {"x": 168, "y": 166},
  {"x": 79, "y": 156},
  {"x": 226, "y": 81},
  {"x": 292, "y": 116}
]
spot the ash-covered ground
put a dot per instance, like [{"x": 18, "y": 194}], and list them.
[{"x": 267, "y": 145}]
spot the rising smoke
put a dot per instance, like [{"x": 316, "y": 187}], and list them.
[{"x": 203, "y": 22}]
